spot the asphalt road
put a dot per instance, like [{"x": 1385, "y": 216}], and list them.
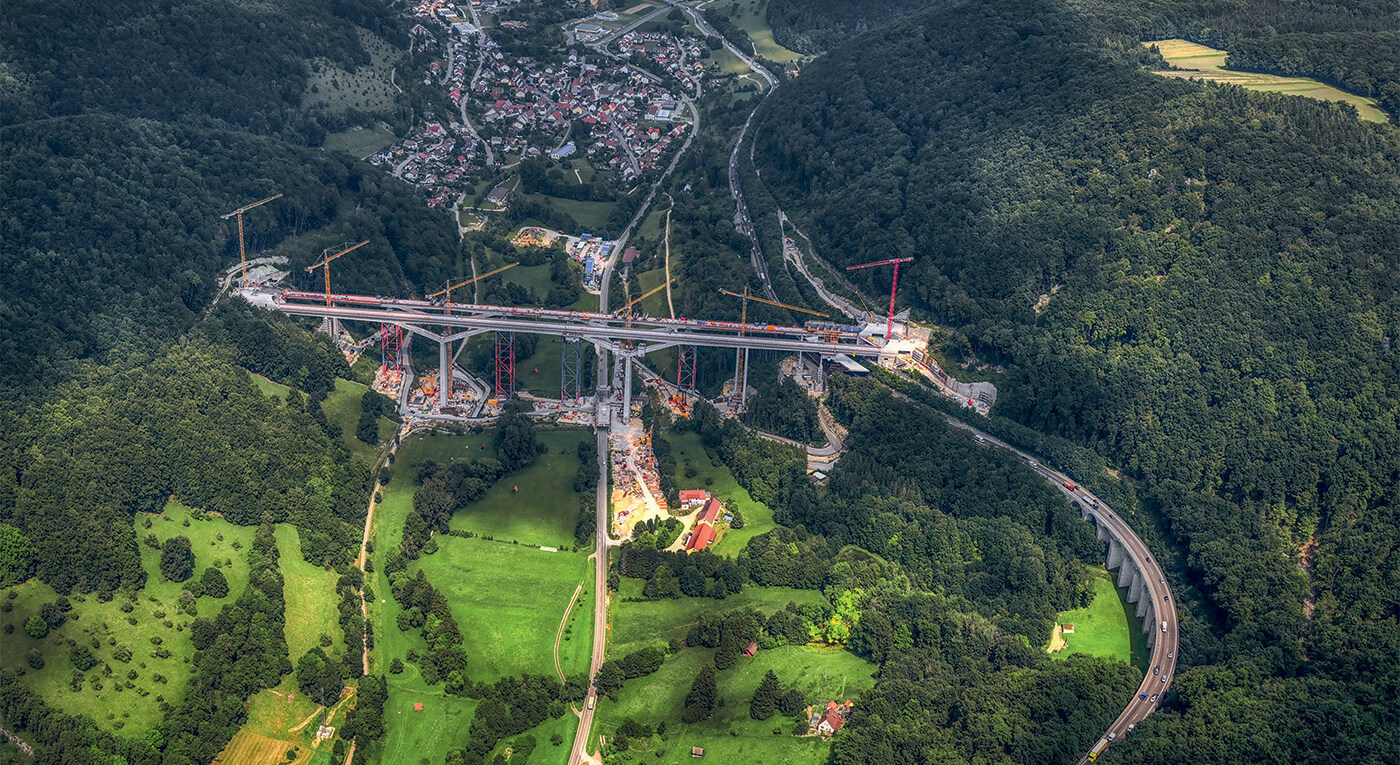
[{"x": 600, "y": 603}]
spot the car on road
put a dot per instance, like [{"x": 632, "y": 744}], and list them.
[
  {"x": 1164, "y": 678},
  {"x": 1143, "y": 695},
  {"x": 1112, "y": 736},
  {"x": 1031, "y": 463},
  {"x": 1157, "y": 670},
  {"x": 1171, "y": 654},
  {"x": 1154, "y": 698},
  {"x": 1167, "y": 597}
]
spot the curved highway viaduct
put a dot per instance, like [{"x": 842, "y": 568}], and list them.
[{"x": 1137, "y": 571}]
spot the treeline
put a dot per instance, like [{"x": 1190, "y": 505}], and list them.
[
  {"x": 237, "y": 654},
  {"x": 782, "y": 407},
  {"x": 276, "y": 347},
  {"x": 124, "y": 438},
  {"x": 509, "y": 707},
  {"x": 425, "y": 608}
]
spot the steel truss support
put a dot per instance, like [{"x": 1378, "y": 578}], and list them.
[
  {"x": 571, "y": 372},
  {"x": 685, "y": 368},
  {"x": 505, "y": 365},
  {"x": 391, "y": 347}
]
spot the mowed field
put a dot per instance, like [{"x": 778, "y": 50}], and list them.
[
  {"x": 545, "y": 509},
  {"x": 730, "y": 735},
  {"x": 342, "y": 407},
  {"x": 1195, "y": 61},
  {"x": 715, "y": 477},
  {"x": 752, "y": 17},
  {"x": 129, "y": 701},
  {"x": 1105, "y": 628}
]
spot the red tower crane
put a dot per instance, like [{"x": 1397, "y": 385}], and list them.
[{"x": 889, "y": 324}]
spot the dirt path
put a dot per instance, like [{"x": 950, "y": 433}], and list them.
[
  {"x": 559, "y": 633},
  {"x": 669, "y": 305}
]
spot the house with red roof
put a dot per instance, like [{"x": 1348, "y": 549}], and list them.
[
  {"x": 701, "y": 537},
  {"x": 693, "y": 497}
]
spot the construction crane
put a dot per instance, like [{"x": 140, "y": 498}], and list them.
[
  {"x": 242, "y": 252},
  {"x": 889, "y": 323},
  {"x": 744, "y": 312},
  {"x": 325, "y": 262},
  {"x": 741, "y": 357},
  {"x": 628, "y": 307},
  {"x": 448, "y": 291}
]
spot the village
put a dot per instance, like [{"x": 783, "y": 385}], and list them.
[{"x": 624, "y": 119}]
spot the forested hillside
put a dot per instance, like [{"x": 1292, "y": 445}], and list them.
[
  {"x": 1349, "y": 45},
  {"x": 1198, "y": 282}
]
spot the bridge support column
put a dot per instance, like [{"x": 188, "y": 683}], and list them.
[
  {"x": 1144, "y": 604},
  {"x": 1127, "y": 575},
  {"x": 1136, "y": 592},
  {"x": 444, "y": 373},
  {"x": 1115, "y": 552},
  {"x": 571, "y": 372},
  {"x": 1150, "y": 628},
  {"x": 627, "y": 391}
]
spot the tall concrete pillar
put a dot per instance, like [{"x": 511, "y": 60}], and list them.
[
  {"x": 1127, "y": 574},
  {"x": 1151, "y": 629},
  {"x": 444, "y": 372},
  {"x": 744, "y": 391},
  {"x": 1115, "y": 553},
  {"x": 1144, "y": 606},
  {"x": 627, "y": 391}
]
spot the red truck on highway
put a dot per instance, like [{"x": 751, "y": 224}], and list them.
[{"x": 1069, "y": 485}]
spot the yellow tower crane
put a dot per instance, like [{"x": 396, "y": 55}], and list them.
[
  {"x": 242, "y": 252},
  {"x": 741, "y": 356},
  {"x": 630, "y": 303},
  {"x": 447, "y": 300},
  {"x": 325, "y": 262}
]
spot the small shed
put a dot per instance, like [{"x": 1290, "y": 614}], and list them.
[
  {"x": 696, "y": 751},
  {"x": 751, "y": 649},
  {"x": 418, "y": 706}
]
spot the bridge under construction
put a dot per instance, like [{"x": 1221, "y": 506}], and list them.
[{"x": 625, "y": 337}]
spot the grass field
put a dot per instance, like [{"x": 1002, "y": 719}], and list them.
[
  {"x": 280, "y": 720},
  {"x": 1195, "y": 61},
  {"x": 367, "y": 88},
  {"x": 360, "y": 142},
  {"x": 730, "y": 735},
  {"x": 590, "y": 215},
  {"x": 508, "y": 600},
  {"x": 637, "y": 624},
  {"x": 342, "y": 407},
  {"x": 751, "y": 16},
  {"x": 533, "y": 278},
  {"x": 545, "y": 509},
  {"x": 135, "y": 709},
  {"x": 1103, "y": 628},
  {"x": 728, "y": 62},
  {"x": 656, "y": 304},
  {"x": 311, "y": 598},
  {"x": 712, "y": 475},
  {"x": 268, "y": 387}
]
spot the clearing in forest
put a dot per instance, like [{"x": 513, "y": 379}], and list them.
[
  {"x": 1103, "y": 628},
  {"x": 1194, "y": 61}
]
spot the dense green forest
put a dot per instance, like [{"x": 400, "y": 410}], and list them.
[
  {"x": 1349, "y": 45},
  {"x": 1217, "y": 290}
]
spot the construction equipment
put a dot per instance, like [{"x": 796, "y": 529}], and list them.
[
  {"x": 889, "y": 324},
  {"x": 741, "y": 356},
  {"x": 448, "y": 291},
  {"x": 325, "y": 263},
  {"x": 744, "y": 312},
  {"x": 628, "y": 307},
  {"x": 242, "y": 252}
]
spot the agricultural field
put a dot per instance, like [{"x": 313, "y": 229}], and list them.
[
  {"x": 545, "y": 509},
  {"x": 368, "y": 88},
  {"x": 730, "y": 735},
  {"x": 128, "y": 701},
  {"x": 635, "y": 624},
  {"x": 656, "y": 304},
  {"x": 752, "y": 17},
  {"x": 280, "y": 720},
  {"x": 1200, "y": 62},
  {"x": 1106, "y": 628},
  {"x": 360, "y": 142},
  {"x": 714, "y": 476}
]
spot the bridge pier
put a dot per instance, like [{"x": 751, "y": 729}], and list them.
[
  {"x": 1127, "y": 577},
  {"x": 1115, "y": 552},
  {"x": 1144, "y": 605},
  {"x": 627, "y": 391},
  {"x": 444, "y": 372}
]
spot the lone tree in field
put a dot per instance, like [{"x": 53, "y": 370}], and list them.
[
  {"x": 213, "y": 583},
  {"x": 36, "y": 627},
  {"x": 765, "y": 699},
  {"x": 700, "y": 702},
  {"x": 176, "y": 559}
]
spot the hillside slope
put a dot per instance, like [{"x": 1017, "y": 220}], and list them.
[{"x": 1218, "y": 279}]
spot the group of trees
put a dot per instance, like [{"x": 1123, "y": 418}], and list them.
[
  {"x": 509, "y": 707},
  {"x": 673, "y": 574},
  {"x": 127, "y": 436},
  {"x": 442, "y": 490},
  {"x": 425, "y": 607}
]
